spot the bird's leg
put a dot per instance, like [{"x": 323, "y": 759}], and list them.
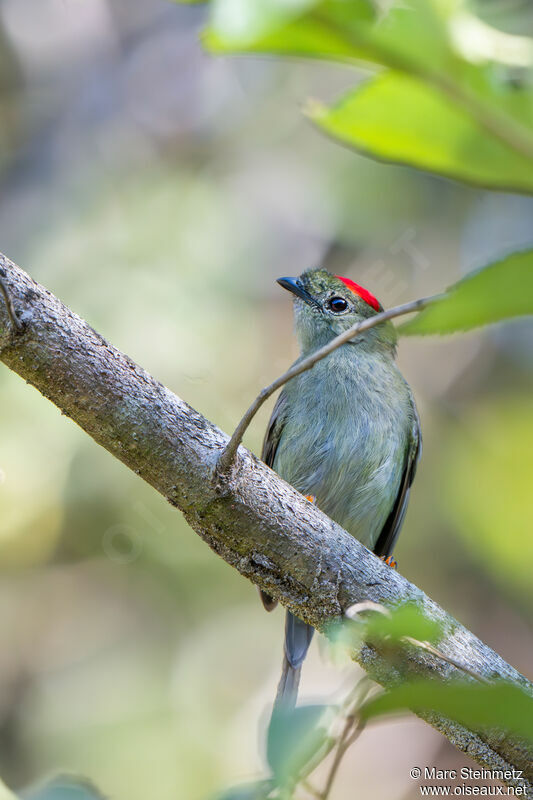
[{"x": 311, "y": 498}]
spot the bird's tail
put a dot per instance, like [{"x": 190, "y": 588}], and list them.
[{"x": 298, "y": 637}]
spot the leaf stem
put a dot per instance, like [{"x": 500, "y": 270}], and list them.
[
  {"x": 439, "y": 654},
  {"x": 345, "y": 742}
]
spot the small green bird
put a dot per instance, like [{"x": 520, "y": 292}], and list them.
[{"x": 345, "y": 433}]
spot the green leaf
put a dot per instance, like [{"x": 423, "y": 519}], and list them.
[
  {"x": 305, "y": 38},
  {"x": 499, "y": 291},
  {"x": 334, "y": 29},
  {"x": 441, "y": 108},
  {"x": 392, "y": 626},
  {"x": 422, "y": 37},
  {"x": 295, "y": 737},
  {"x": 398, "y": 118},
  {"x": 500, "y": 705},
  {"x": 257, "y": 790},
  {"x": 405, "y": 620},
  {"x": 64, "y": 788},
  {"x": 242, "y": 22}
]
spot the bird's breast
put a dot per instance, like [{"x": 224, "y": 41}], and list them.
[{"x": 345, "y": 438}]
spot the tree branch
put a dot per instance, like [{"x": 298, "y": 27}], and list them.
[{"x": 253, "y": 519}]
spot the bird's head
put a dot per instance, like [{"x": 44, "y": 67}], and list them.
[{"x": 326, "y": 305}]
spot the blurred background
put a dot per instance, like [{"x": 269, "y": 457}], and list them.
[{"x": 159, "y": 192}]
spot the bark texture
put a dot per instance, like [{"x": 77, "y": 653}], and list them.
[{"x": 250, "y": 517}]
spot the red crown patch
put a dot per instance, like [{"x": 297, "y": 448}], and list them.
[{"x": 364, "y": 294}]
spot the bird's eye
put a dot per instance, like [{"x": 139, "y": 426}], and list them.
[{"x": 337, "y": 304}]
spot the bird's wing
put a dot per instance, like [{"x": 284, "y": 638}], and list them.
[
  {"x": 274, "y": 430},
  {"x": 268, "y": 454},
  {"x": 391, "y": 529}
]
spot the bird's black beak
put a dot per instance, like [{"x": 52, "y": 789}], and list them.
[{"x": 294, "y": 285}]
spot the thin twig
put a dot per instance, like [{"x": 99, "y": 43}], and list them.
[
  {"x": 436, "y": 652},
  {"x": 311, "y": 789},
  {"x": 352, "y": 703},
  {"x": 17, "y": 324},
  {"x": 345, "y": 743},
  {"x": 359, "y": 693},
  {"x": 227, "y": 457}
]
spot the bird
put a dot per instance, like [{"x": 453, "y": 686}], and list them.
[{"x": 345, "y": 433}]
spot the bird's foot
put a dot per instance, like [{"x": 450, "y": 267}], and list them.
[
  {"x": 311, "y": 498},
  {"x": 390, "y": 561}
]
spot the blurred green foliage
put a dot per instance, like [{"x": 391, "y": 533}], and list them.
[
  {"x": 486, "y": 480},
  {"x": 258, "y": 790},
  {"x": 300, "y": 739},
  {"x": 438, "y": 107},
  {"x": 499, "y": 705},
  {"x": 443, "y": 106},
  {"x": 64, "y": 788},
  {"x": 296, "y": 738},
  {"x": 397, "y": 118},
  {"x": 404, "y": 620},
  {"x": 392, "y": 625}
]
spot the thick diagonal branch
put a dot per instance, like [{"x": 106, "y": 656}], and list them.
[{"x": 254, "y": 520}]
